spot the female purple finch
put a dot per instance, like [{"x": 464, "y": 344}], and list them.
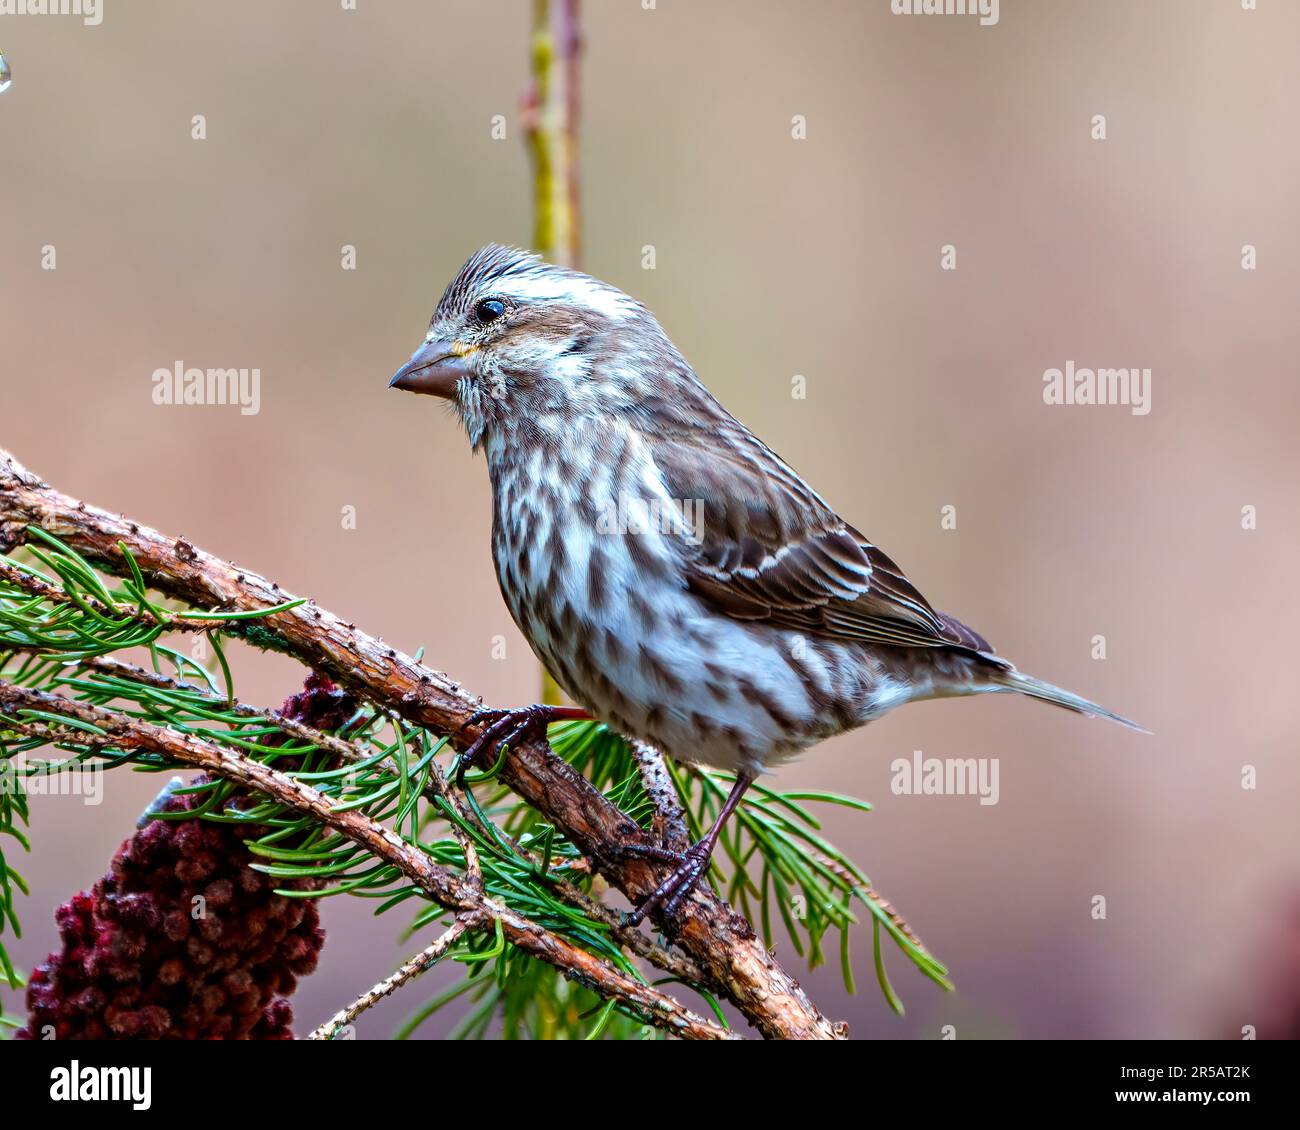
[{"x": 676, "y": 576}]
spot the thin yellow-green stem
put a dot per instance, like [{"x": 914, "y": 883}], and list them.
[{"x": 551, "y": 130}]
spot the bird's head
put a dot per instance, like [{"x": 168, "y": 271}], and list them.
[{"x": 517, "y": 339}]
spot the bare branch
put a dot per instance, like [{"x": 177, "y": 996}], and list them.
[
  {"x": 426, "y": 959},
  {"x": 670, "y": 818}
]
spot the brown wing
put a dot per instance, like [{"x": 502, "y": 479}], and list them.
[{"x": 770, "y": 549}]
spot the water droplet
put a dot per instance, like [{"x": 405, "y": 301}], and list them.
[{"x": 6, "y": 77}]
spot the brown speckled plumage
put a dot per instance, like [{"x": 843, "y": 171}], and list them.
[{"x": 676, "y": 576}]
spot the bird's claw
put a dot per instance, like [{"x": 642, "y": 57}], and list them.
[
  {"x": 505, "y": 727},
  {"x": 691, "y": 866}
]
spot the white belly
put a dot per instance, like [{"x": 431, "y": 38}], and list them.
[{"x": 605, "y": 608}]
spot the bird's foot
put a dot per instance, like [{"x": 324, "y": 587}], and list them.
[
  {"x": 691, "y": 866},
  {"x": 501, "y": 728}
]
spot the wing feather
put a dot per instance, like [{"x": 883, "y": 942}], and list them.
[{"x": 770, "y": 549}]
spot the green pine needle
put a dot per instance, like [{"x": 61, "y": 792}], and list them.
[{"x": 772, "y": 858}]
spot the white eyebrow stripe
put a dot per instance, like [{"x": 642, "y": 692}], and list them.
[{"x": 576, "y": 289}]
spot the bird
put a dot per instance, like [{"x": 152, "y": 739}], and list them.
[{"x": 682, "y": 583}]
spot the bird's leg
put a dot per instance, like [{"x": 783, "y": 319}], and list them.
[
  {"x": 692, "y": 863},
  {"x": 506, "y": 727}
]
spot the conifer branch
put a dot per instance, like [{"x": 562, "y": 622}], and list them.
[
  {"x": 669, "y": 961},
  {"x": 95, "y": 727},
  {"x": 732, "y": 958}
]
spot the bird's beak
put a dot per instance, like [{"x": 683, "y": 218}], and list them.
[{"x": 434, "y": 368}]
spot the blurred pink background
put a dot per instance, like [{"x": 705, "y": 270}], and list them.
[{"x": 775, "y": 257}]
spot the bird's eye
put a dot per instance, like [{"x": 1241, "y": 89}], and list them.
[{"x": 489, "y": 310}]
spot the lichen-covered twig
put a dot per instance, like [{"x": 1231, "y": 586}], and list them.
[{"x": 423, "y": 961}]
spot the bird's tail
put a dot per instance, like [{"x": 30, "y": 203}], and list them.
[{"x": 1013, "y": 680}]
